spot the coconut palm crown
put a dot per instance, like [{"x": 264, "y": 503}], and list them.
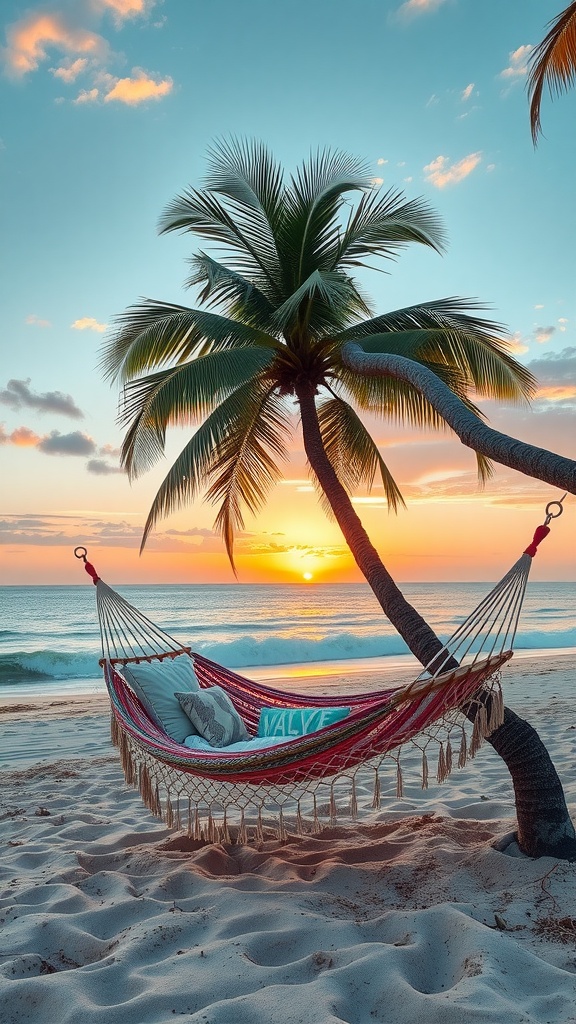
[{"x": 279, "y": 300}]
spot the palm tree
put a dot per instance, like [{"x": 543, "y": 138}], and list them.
[
  {"x": 553, "y": 62},
  {"x": 288, "y": 306}
]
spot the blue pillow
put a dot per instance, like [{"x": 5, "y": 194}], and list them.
[{"x": 297, "y": 721}]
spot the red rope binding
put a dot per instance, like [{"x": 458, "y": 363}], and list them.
[
  {"x": 91, "y": 572},
  {"x": 540, "y": 533}
]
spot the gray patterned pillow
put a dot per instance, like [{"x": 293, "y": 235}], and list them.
[{"x": 214, "y": 716}]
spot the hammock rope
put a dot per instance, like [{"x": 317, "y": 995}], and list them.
[{"x": 304, "y": 768}]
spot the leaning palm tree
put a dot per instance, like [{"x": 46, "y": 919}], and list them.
[
  {"x": 553, "y": 62},
  {"x": 280, "y": 309}
]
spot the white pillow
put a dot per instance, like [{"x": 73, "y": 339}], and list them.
[
  {"x": 214, "y": 716},
  {"x": 155, "y": 683}
]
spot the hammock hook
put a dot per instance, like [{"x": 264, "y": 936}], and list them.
[
  {"x": 554, "y": 515},
  {"x": 81, "y": 552}
]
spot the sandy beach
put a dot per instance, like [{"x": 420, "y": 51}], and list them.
[{"x": 408, "y": 915}]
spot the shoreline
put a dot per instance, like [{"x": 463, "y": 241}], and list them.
[{"x": 359, "y": 673}]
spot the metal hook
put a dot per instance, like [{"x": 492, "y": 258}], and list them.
[
  {"x": 83, "y": 553},
  {"x": 554, "y": 515}
]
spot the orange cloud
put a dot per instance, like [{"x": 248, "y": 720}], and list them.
[
  {"x": 557, "y": 393},
  {"x": 29, "y": 39},
  {"x": 122, "y": 9},
  {"x": 22, "y": 437},
  {"x": 441, "y": 173},
  {"x": 139, "y": 88}
]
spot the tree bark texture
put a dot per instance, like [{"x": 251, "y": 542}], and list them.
[
  {"x": 544, "y": 825},
  {"x": 508, "y": 451}
]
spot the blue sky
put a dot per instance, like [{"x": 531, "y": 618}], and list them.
[{"x": 109, "y": 108}]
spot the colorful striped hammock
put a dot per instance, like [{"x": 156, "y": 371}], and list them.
[{"x": 191, "y": 787}]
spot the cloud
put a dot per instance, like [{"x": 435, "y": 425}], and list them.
[
  {"x": 110, "y": 450},
  {"x": 376, "y": 182},
  {"x": 123, "y": 9},
  {"x": 17, "y": 395},
  {"x": 518, "y": 66},
  {"x": 102, "y": 468},
  {"x": 563, "y": 320},
  {"x": 381, "y": 161},
  {"x": 441, "y": 173},
  {"x": 412, "y": 8},
  {"x": 87, "y": 96},
  {"x": 36, "y": 321},
  {"x": 22, "y": 437},
  {"x": 33, "y": 38},
  {"x": 75, "y": 443},
  {"x": 70, "y": 69},
  {"x": 555, "y": 368},
  {"x": 88, "y": 323},
  {"x": 467, "y": 92},
  {"x": 194, "y": 531},
  {"x": 138, "y": 89},
  {"x": 29, "y": 40},
  {"x": 517, "y": 345},
  {"x": 543, "y": 334}
]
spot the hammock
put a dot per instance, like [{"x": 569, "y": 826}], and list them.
[{"x": 307, "y": 773}]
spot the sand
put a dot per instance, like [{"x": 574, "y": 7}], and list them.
[{"x": 409, "y": 915}]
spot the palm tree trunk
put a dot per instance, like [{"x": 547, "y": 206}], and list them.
[
  {"x": 544, "y": 825},
  {"x": 508, "y": 451}
]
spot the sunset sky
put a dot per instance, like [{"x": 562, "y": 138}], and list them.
[{"x": 109, "y": 108}]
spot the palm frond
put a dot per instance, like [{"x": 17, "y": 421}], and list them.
[
  {"x": 392, "y": 399},
  {"x": 381, "y": 225},
  {"x": 191, "y": 471},
  {"x": 252, "y": 251},
  {"x": 476, "y": 345},
  {"x": 247, "y": 174},
  {"x": 154, "y": 333},
  {"x": 310, "y": 225},
  {"x": 553, "y": 62},
  {"x": 224, "y": 287},
  {"x": 334, "y": 291},
  {"x": 182, "y": 395},
  {"x": 352, "y": 451},
  {"x": 245, "y": 467}
]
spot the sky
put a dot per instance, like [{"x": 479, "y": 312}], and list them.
[{"x": 109, "y": 108}]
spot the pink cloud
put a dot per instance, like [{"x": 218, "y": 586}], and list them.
[
  {"x": 441, "y": 173},
  {"x": 22, "y": 437}
]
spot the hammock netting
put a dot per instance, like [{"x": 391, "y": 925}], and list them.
[{"x": 309, "y": 781}]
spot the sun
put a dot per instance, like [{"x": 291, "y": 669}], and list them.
[{"x": 307, "y": 576}]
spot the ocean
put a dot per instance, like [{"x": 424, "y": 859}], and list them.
[{"x": 50, "y": 643}]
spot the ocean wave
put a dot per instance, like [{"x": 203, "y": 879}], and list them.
[
  {"x": 38, "y": 666},
  {"x": 48, "y": 665}
]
